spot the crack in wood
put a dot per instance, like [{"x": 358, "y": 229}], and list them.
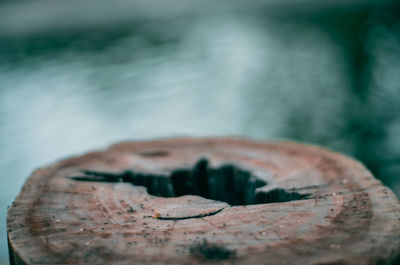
[
  {"x": 227, "y": 183},
  {"x": 190, "y": 216}
]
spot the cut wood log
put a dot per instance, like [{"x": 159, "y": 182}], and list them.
[{"x": 191, "y": 201}]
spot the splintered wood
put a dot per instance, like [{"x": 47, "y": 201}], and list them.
[{"x": 192, "y": 201}]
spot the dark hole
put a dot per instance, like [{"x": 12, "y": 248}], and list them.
[
  {"x": 211, "y": 251},
  {"x": 227, "y": 183}
]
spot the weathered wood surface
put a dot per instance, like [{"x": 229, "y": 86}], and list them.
[{"x": 317, "y": 207}]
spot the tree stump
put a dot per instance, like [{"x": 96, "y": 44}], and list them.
[{"x": 190, "y": 201}]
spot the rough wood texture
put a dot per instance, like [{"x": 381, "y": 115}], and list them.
[{"x": 295, "y": 204}]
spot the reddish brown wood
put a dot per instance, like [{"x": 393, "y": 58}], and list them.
[{"x": 347, "y": 218}]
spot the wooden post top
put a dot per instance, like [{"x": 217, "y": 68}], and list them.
[{"x": 208, "y": 201}]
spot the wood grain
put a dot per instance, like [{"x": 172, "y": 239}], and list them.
[{"x": 346, "y": 216}]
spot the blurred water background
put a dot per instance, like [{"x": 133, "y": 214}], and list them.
[{"x": 80, "y": 75}]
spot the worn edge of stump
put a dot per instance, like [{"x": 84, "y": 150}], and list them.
[{"x": 386, "y": 209}]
